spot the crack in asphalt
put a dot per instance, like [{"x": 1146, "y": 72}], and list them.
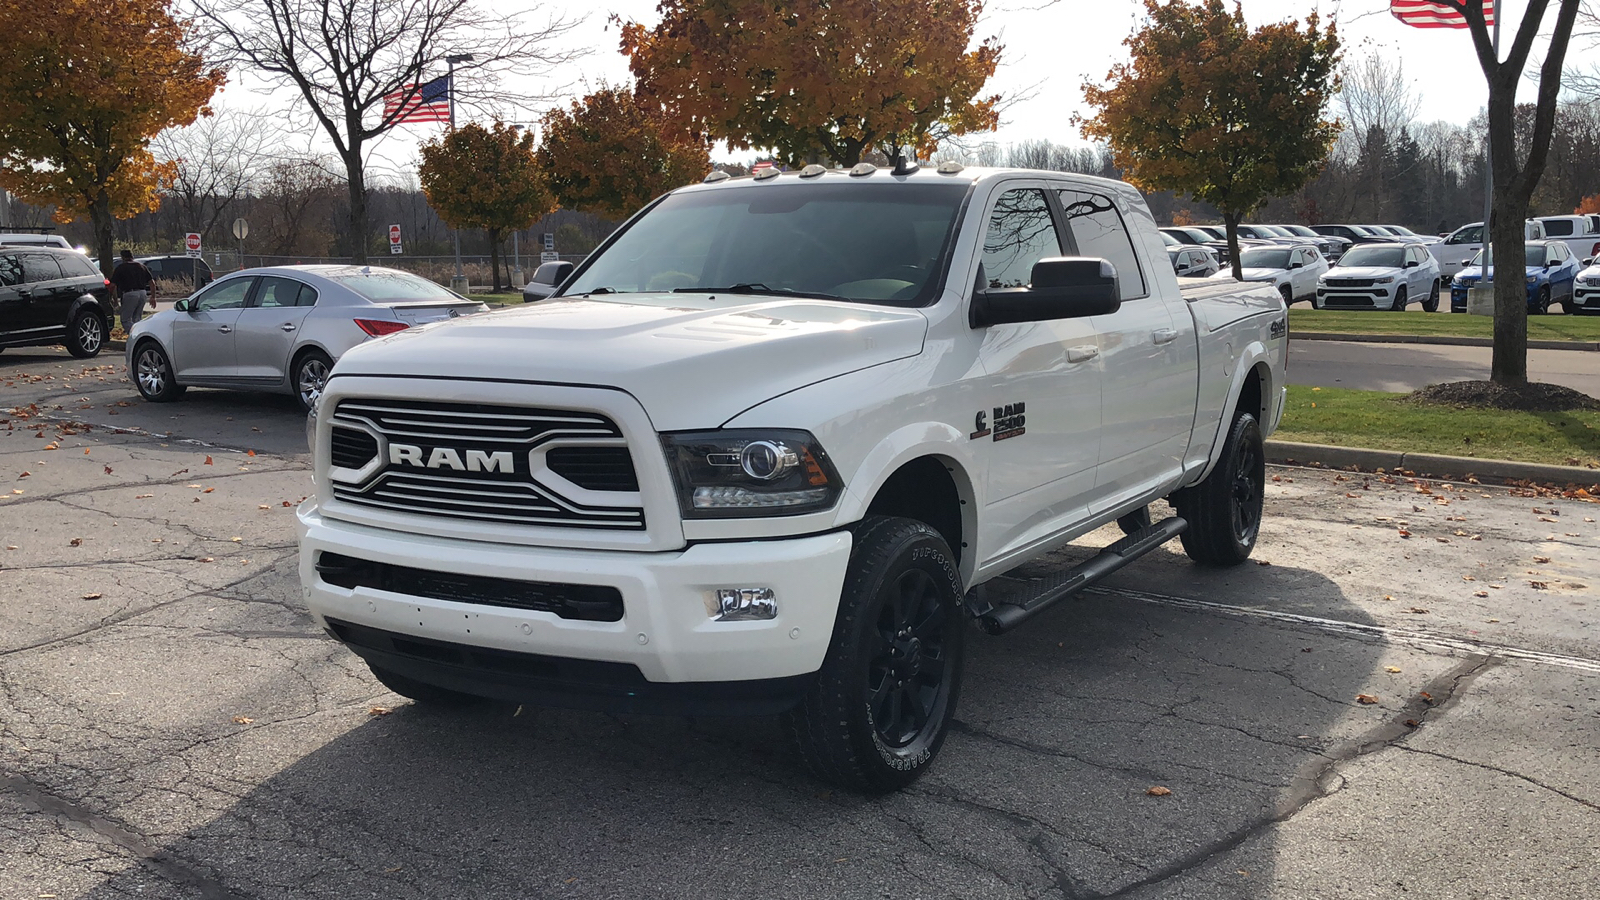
[
  {"x": 165, "y": 864},
  {"x": 1507, "y": 772},
  {"x": 1324, "y": 779}
]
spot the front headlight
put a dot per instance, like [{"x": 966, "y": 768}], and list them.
[
  {"x": 1533, "y": 279},
  {"x": 1383, "y": 279},
  {"x": 750, "y": 472}
]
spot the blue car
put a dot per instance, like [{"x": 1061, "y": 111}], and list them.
[{"x": 1551, "y": 276}]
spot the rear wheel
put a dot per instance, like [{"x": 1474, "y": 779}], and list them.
[
  {"x": 881, "y": 705},
  {"x": 1432, "y": 303},
  {"x": 86, "y": 334},
  {"x": 311, "y": 370},
  {"x": 419, "y": 692},
  {"x": 1399, "y": 299},
  {"x": 1224, "y": 511},
  {"x": 1541, "y": 305},
  {"x": 152, "y": 374}
]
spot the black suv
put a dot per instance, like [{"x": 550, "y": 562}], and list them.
[
  {"x": 188, "y": 269},
  {"x": 53, "y": 297}
]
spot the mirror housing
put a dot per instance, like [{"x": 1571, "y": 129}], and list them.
[
  {"x": 1063, "y": 287},
  {"x": 1588, "y": 262},
  {"x": 182, "y": 306},
  {"x": 1412, "y": 264},
  {"x": 1296, "y": 265},
  {"x": 553, "y": 273}
]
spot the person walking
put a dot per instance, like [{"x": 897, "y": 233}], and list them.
[{"x": 134, "y": 285}]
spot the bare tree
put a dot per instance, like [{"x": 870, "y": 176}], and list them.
[
  {"x": 219, "y": 157},
  {"x": 1375, "y": 98},
  {"x": 346, "y": 56}
]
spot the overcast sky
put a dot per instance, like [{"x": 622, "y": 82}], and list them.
[{"x": 1050, "y": 51}]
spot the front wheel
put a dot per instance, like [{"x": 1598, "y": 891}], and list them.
[
  {"x": 881, "y": 705},
  {"x": 152, "y": 374},
  {"x": 1542, "y": 304},
  {"x": 1224, "y": 511},
  {"x": 1399, "y": 299},
  {"x": 311, "y": 370},
  {"x": 1287, "y": 293},
  {"x": 86, "y": 334},
  {"x": 1432, "y": 303}
]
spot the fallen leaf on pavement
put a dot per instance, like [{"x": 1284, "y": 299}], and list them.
[
  {"x": 208, "y": 490},
  {"x": 249, "y": 453},
  {"x": 208, "y": 461},
  {"x": 1480, "y": 593},
  {"x": 242, "y": 720},
  {"x": 1392, "y": 670},
  {"x": 76, "y": 542},
  {"x": 143, "y": 496},
  {"x": 264, "y": 506},
  {"x": 378, "y": 710},
  {"x": 1541, "y": 559},
  {"x": 92, "y": 596},
  {"x": 1413, "y": 723},
  {"x": 1404, "y": 533},
  {"x": 1419, "y": 610},
  {"x": 236, "y": 539},
  {"x": 205, "y": 559},
  {"x": 1366, "y": 699},
  {"x": 50, "y": 446},
  {"x": 1425, "y": 695},
  {"x": 108, "y": 470},
  {"x": 1159, "y": 791},
  {"x": 1539, "y": 585}
]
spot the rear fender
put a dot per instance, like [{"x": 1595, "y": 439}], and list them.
[{"x": 1255, "y": 357}]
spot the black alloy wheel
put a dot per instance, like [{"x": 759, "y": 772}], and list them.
[
  {"x": 1542, "y": 304},
  {"x": 881, "y": 704},
  {"x": 1224, "y": 511},
  {"x": 1432, "y": 303},
  {"x": 1400, "y": 300}
]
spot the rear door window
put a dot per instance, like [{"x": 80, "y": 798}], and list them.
[
  {"x": 38, "y": 267},
  {"x": 10, "y": 270},
  {"x": 308, "y": 296},
  {"x": 1097, "y": 230},
  {"x": 277, "y": 292}
]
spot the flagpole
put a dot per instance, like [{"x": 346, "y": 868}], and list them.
[
  {"x": 450, "y": 93},
  {"x": 1488, "y": 141}
]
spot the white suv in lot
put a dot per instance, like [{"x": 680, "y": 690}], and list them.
[
  {"x": 1381, "y": 276},
  {"x": 775, "y": 446},
  {"x": 1586, "y": 292}
]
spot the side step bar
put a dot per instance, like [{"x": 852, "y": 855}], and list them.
[{"x": 1002, "y": 607}]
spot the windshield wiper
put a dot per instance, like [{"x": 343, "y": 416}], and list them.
[
  {"x": 603, "y": 290},
  {"x": 756, "y": 287}
]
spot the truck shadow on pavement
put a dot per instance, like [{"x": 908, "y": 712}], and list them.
[{"x": 1045, "y": 787}]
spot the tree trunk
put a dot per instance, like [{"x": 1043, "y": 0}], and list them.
[
  {"x": 1510, "y": 204},
  {"x": 100, "y": 216},
  {"x": 1231, "y": 221},
  {"x": 358, "y": 204},
  {"x": 494, "y": 257}
]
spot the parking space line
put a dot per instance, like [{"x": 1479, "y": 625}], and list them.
[{"x": 1411, "y": 637}]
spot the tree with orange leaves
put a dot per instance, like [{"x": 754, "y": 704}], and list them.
[
  {"x": 1224, "y": 114},
  {"x": 1587, "y": 206},
  {"x": 88, "y": 83},
  {"x": 815, "y": 80},
  {"x": 609, "y": 156}
]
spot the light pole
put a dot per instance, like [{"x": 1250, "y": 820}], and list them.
[
  {"x": 458, "y": 283},
  {"x": 516, "y": 249}
]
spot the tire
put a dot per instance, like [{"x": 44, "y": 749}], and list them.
[
  {"x": 1224, "y": 511},
  {"x": 1400, "y": 300},
  {"x": 1542, "y": 304},
  {"x": 153, "y": 375},
  {"x": 1287, "y": 293},
  {"x": 900, "y": 623},
  {"x": 310, "y": 376},
  {"x": 1432, "y": 303},
  {"x": 420, "y": 693},
  {"x": 86, "y": 335}
]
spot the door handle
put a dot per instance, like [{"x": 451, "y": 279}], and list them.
[
  {"x": 225, "y": 329},
  {"x": 1082, "y": 354},
  {"x": 287, "y": 326},
  {"x": 1164, "y": 335}
]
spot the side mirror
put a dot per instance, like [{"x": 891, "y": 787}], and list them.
[
  {"x": 1588, "y": 262},
  {"x": 1412, "y": 264},
  {"x": 181, "y": 305},
  {"x": 1548, "y": 263},
  {"x": 1297, "y": 265},
  {"x": 1063, "y": 287},
  {"x": 1467, "y": 261}
]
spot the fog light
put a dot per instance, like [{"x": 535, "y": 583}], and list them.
[{"x": 745, "y": 604}]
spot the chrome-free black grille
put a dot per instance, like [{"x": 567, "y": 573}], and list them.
[
  {"x": 353, "y": 448},
  {"x": 1347, "y": 282},
  {"x": 586, "y": 602},
  {"x": 594, "y": 468}
]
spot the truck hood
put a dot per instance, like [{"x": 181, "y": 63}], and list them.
[
  {"x": 692, "y": 360},
  {"x": 1364, "y": 272},
  {"x": 1249, "y": 273}
]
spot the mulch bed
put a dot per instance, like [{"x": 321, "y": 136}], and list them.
[{"x": 1488, "y": 395}]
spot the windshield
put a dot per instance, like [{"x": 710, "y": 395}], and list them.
[
  {"x": 1217, "y": 234},
  {"x": 1170, "y": 241},
  {"x": 1401, "y": 230},
  {"x": 1265, "y": 258},
  {"x": 1392, "y": 257},
  {"x": 871, "y": 243},
  {"x": 384, "y": 285},
  {"x": 1300, "y": 230},
  {"x": 1485, "y": 257},
  {"x": 1276, "y": 231}
]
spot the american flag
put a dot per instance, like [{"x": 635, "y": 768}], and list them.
[
  {"x": 1425, "y": 14},
  {"x": 430, "y": 103}
]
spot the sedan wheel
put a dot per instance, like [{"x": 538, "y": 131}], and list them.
[
  {"x": 311, "y": 377},
  {"x": 152, "y": 374}
]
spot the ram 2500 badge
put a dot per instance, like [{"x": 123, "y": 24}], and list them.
[{"x": 768, "y": 450}]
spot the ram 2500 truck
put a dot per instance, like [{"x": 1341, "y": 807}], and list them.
[{"x": 768, "y": 449}]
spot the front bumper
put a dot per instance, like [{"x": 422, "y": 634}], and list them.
[
  {"x": 1586, "y": 299},
  {"x": 666, "y": 654},
  {"x": 1458, "y": 295},
  {"x": 1378, "y": 296}
]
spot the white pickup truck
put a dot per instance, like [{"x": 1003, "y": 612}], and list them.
[{"x": 771, "y": 448}]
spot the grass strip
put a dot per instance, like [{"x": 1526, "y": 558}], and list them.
[
  {"x": 1383, "y": 421},
  {"x": 1554, "y": 327}
]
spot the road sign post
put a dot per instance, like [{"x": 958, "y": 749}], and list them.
[
  {"x": 241, "y": 230},
  {"x": 394, "y": 240},
  {"x": 191, "y": 244}
]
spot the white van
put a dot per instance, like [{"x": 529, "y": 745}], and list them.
[
  {"x": 1461, "y": 245},
  {"x": 33, "y": 239}
]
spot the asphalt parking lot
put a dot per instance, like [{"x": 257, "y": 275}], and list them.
[{"x": 171, "y": 724}]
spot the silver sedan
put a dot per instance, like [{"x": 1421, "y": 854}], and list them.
[{"x": 279, "y": 329}]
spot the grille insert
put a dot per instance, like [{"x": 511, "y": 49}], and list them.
[
  {"x": 594, "y": 468},
  {"x": 585, "y": 602},
  {"x": 353, "y": 448}
]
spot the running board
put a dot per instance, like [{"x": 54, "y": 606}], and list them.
[{"x": 1000, "y": 607}]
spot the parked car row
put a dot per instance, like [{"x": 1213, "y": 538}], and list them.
[{"x": 1551, "y": 275}]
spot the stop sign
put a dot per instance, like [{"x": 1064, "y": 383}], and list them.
[
  {"x": 191, "y": 242},
  {"x": 394, "y": 234}
]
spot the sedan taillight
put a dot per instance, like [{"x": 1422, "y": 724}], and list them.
[{"x": 380, "y": 327}]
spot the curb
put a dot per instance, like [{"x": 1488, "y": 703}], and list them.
[
  {"x": 1450, "y": 340},
  {"x": 1431, "y": 465}
]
